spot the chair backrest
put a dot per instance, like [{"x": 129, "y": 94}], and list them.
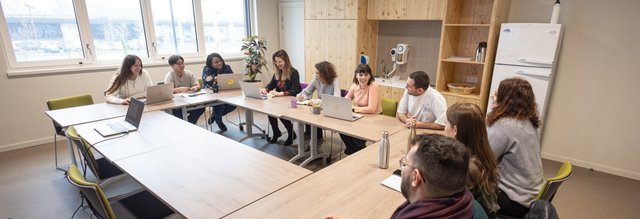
[
  {"x": 201, "y": 83},
  {"x": 478, "y": 211},
  {"x": 343, "y": 92},
  {"x": 303, "y": 85},
  {"x": 92, "y": 193},
  {"x": 541, "y": 209},
  {"x": 389, "y": 106},
  {"x": 84, "y": 149},
  {"x": 67, "y": 102},
  {"x": 552, "y": 184}
]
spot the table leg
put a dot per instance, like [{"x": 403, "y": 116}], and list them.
[
  {"x": 314, "y": 148},
  {"x": 301, "y": 146}
]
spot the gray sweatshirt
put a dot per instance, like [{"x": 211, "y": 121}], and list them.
[{"x": 517, "y": 147}]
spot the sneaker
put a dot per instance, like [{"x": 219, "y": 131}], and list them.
[{"x": 221, "y": 125}]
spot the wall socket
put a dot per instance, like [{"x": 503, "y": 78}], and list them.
[{"x": 471, "y": 79}]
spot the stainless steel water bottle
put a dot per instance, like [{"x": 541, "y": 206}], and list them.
[{"x": 383, "y": 151}]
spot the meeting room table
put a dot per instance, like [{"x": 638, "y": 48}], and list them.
[{"x": 197, "y": 173}]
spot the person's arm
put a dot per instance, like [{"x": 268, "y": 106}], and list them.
[
  {"x": 169, "y": 79},
  {"x": 498, "y": 139},
  {"x": 439, "y": 104},
  {"x": 429, "y": 125},
  {"x": 295, "y": 84},
  {"x": 307, "y": 92},
  {"x": 351, "y": 92},
  {"x": 403, "y": 109},
  {"x": 113, "y": 96},
  {"x": 372, "y": 102}
]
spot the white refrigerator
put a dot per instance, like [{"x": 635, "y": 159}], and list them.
[{"x": 529, "y": 51}]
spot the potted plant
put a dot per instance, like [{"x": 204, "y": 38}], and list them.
[{"x": 254, "y": 47}]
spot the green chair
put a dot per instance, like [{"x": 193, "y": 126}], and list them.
[
  {"x": 139, "y": 205},
  {"x": 101, "y": 167},
  {"x": 389, "y": 106},
  {"x": 61, "y": 103},
  {"x": 550, "y": 187}
]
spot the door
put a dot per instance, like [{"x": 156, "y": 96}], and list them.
[
  {"x": 292, "y": 33},
  {"x": 528, "y": 44}
]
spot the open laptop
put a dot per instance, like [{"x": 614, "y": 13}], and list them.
[
  {"x": 130, "y": 123},
  {"x": 229, "y": 81},
  {"x": 252, "y": 90},
  {"x": 159, "y": 93},
  {"x": 338, "y": 107}
]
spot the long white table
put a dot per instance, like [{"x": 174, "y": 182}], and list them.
[{"x": 197, "y": 173}]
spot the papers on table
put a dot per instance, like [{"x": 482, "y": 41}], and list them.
[{"x": 393, "y": 182}]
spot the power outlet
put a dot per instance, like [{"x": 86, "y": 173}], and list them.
[{"x": 471, "y": 79}]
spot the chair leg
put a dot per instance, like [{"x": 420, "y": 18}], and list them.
[{"x": 55, "y": 151}]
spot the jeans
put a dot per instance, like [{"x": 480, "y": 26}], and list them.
[
  {"x": 192, "y": 115},
  {"x": 352, "y": 144},
  {"x": 220, "y": 110}
]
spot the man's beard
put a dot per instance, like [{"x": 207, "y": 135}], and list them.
[{"x": 405, "y": 186}]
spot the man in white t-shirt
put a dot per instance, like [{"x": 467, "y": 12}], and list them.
[
  {"x": 184, "y": 81},
  {"x": 422, "y": 105}
]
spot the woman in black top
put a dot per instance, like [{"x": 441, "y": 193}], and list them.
[
  {"x": 285, "y": 82},
  {"x": 215, "y": 65}
]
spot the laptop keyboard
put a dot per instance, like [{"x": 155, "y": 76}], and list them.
[{"x": 117, "y": 127}]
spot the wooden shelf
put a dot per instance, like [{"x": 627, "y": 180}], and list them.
[
  {"x": 469, "y": 96},
  {"x": 467, "y": 25},
  {"x": 461, "y": 61}
]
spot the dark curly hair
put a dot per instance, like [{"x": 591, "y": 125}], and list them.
[
  {"x": 326, "y": 72},
  {"x": 515, "y": 99}
]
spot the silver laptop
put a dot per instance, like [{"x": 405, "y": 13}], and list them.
[
  {"x": 159, "y": 93},
  {"x": 130, "y": 123},
  {"x": 338, "y": 107},
  {"x": 252, "y": 90},
  {"x": 229, "y": 81}
]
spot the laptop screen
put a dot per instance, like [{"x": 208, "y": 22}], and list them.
[{"x": 134, "y": 112}]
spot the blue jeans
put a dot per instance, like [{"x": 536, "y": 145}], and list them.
[
  {"x": 220, "y": 110},
  {"x": 192, "y": 116}
]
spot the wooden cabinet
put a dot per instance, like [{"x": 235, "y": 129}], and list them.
[
  {"x": 339, "y": 38},
  {"x": 467, "y": 23},
  {"x": 406, "y": 9},
  {"x": 391, "y": 92}
]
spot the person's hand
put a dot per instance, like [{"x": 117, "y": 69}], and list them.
[
  {"x": 331, "y": 217},
  {"x": 410, "y": 120},
  {"x": 263, "y": 91},
  {"x": 126, "y": 102},
  {"x": 276, "y": 93},
  {"x": 299, "y": 97}
]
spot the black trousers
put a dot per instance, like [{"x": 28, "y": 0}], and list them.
[
  {"x": 352, "y": 144},
  {"x": 307, "y": 131},
  {"x": 509, "y": 207},
  {"x": 192, "y": 115},
  {"x": 273, "y": 121}
]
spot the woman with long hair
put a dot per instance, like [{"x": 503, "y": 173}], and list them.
[
  {"x": 365, "y": 94},
  {"x": 325, "y": 82},
  {"x": 285, "y": 82},
  {"x": 130, "y": 81},
  {"x": 465, "y": 122},
  {"x": 513, "y": 136},
  {"x": 214, "y": 66}
]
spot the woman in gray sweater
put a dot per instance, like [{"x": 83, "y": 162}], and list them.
[{"x": 513, "y": 136}]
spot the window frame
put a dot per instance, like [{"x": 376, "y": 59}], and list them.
[{"x": 90, "y": 62}]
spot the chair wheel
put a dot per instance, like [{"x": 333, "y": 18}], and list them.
[{"x": 241, "y": 128}]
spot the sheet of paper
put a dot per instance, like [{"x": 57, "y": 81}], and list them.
[{"x": 393, "y": 182}]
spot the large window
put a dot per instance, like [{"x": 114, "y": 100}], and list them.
[{"x": 40, "y": 34}]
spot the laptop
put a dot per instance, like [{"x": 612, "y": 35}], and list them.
[
  {"x": 252, "y": 90},
  {"x": 130, "y": 123},
  {"x": 159, "y": 93},
  {"x": 229, "y": 81},
  {"x": 338, "y": 107}
]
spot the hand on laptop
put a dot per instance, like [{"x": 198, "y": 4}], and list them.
[{"x": 263, "y": 91}]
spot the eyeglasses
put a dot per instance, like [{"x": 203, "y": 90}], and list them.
[{"x": 403, "y": 163}]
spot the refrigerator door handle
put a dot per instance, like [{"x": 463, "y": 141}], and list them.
[
  {"x": 546, "y": 62},
  {"x": 535, "y": 74}
]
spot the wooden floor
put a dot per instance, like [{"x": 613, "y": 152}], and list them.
[{"x": 30, "y": 186}]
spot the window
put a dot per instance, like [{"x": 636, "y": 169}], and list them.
[{"x": 39, "y": 34}]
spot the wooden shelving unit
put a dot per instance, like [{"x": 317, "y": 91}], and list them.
[{"x": 467, "y": 23}]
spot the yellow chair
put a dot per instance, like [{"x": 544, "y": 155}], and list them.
[
  {"x": 101, "y": 167},
  {"x": 389, "y": 106},
  {"x": 552, "y": 184},
  {"x": 61, "y": 103},
  {"x": 139, "y": 205}
]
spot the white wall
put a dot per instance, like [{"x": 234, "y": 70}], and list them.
[
  {"x": 23, "y": 122},
  {"x": 593, "y": 115}
]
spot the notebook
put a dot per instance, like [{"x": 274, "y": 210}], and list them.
[
  {"x": 159, "y": 93},
  {"x": 130, "y": 123},
  {"x": 229, "y": 81},
  {"x": 338, "y": 107},
  {"x": 252, "y": 90}
]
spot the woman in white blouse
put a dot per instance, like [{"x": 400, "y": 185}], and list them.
[{"x": 130, "y": 81}]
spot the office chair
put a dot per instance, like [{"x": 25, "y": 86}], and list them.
[
  {"x": 139, "y": 205},
  {"x": 61, "y": 103},
  {"x": 115, "y": 183},
  {"x": 389, "y": 106},
  {"x": 552, "y": 184}
]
